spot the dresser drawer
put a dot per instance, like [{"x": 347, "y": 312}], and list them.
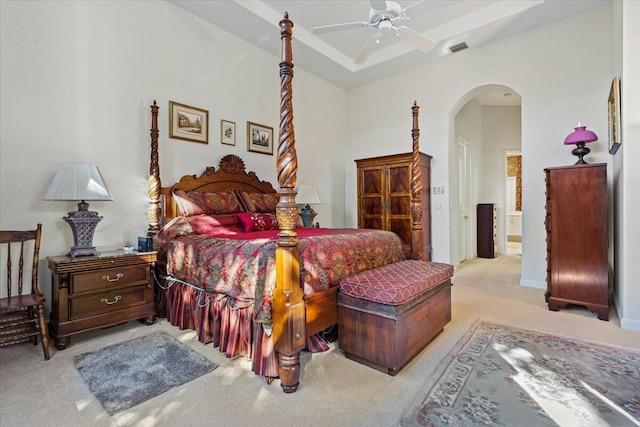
[
  {"x": 107, "y": 301},
  {"x": 103, "y": 279}
]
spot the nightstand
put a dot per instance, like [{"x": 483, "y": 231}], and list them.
[{"x": 94, "y": 292}]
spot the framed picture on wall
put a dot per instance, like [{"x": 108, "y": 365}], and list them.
[
  {"x": 613, "y": 108},
  {"x": 259, "y": 138},
  {"x": 188, "y": 123},
  {"x": 227, "y": 132}
]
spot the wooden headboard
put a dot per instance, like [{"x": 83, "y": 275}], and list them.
[{"x": 230, "y": 175}]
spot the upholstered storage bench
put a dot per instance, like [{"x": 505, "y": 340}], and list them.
[{"x": 387, "y": 315}]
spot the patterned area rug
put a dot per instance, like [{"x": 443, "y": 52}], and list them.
[
  {"x": 503, "y": 376},
  {"x": 126, "y": 374}
]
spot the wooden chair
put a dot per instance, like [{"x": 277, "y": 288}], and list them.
[{"x": 22, "y": 314}]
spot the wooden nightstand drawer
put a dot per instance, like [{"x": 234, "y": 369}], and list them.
[
  {"x": 108, "y": 278},
  {"x": 94, "y": 292},
  {"x": 106, "y": 302}
]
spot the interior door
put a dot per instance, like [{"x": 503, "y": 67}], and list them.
[{"x": 463, "y": 198}]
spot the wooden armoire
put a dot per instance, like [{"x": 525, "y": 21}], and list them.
[
  {"x": 577, "y": 237},
  {"x": 384, "y": 196}
]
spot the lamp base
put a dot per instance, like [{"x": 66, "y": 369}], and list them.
[
  {"x": 83, "y": 223},
  {"x": 580, "y": 151},
  {"x": 307, "y": 214}
]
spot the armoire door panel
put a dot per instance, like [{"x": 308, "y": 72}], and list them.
[
  {"x": 402, "y": 227},
  {"x": 372, "y": 182},
  {"x": 372, "y": 206},
  {"x": 399, "y": 179},
  {"x": 373, "y": 223},
  {"x": 400, "y": 205}
]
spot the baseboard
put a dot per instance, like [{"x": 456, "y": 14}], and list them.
[
  {"x": 533, "y": 284},
  {"x": 631, "y": 324}
]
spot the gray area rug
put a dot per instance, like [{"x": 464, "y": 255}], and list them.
[
  {"x": 123, "y": 375},
  {"x": 503, "y": 376}
]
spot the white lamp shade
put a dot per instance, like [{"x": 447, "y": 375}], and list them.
[
  {"x": 77, "y": 182},
  {"x": 307, "y": 195}
]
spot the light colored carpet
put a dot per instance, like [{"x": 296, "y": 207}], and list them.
[{"x": 334, "y": 391}]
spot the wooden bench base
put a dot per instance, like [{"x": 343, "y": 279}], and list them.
[{"x": 387, "y": 337}]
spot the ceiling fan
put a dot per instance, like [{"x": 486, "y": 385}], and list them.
[{"x": 385, "y": 16}]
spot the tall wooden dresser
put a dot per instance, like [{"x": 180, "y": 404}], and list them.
[
  {"x": 384, "y": 196},
  {"x": 577, "y": 239},
  {"x": 486, "y": 238}
]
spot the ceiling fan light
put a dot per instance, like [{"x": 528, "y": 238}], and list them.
[{"x": 385, "y": 25}]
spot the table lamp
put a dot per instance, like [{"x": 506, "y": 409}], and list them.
[
  {"x": 307, "y": 195},
  {"x": 79, "y": 182},
  {"x": 580, "y": 136}
]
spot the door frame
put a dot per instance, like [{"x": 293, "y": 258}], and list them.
[{"x": 464, "y": 193}]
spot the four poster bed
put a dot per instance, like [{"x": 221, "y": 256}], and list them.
[{"x": 234, "y": 266}]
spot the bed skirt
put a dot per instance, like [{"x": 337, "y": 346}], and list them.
[{"x": 229, "y": 326}]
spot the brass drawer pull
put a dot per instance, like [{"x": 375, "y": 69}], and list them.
[
  {"x": 115, "y": 300},
  {"x": 109, "y": 279}
]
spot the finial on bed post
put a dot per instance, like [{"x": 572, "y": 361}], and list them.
[
  {"x": 288, "y": 305},
  {"x": 417, "y": 237},
  {"x": 153, "y": 212}
]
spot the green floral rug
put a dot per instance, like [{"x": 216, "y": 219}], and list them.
[{"x": 503, "y": 376}]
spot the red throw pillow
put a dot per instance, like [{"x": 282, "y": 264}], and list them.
[
  {"x": 257, "y": 221},
  {"x": 215, "y": 225}
]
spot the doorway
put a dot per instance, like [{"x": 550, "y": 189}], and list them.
[
  {"x": 513, "y": 205},
  {"x": 486, "y": 124}
]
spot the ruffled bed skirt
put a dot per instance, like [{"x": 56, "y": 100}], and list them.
[{"x": 218, "y": 319}]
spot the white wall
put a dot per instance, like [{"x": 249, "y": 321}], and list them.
[
  {"x": 77, "y": 79},
  {"x": 626, "y": 24},
  {"x": 552, "y": 68},
  {"x": 502, "y": 132}
]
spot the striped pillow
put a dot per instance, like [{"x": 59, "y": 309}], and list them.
[{"x": 192, "y": 203}]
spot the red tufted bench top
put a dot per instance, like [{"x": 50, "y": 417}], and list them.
[{"x": 396, "y": 283}]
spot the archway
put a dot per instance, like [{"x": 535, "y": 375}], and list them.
[{"x": 488, "y": 120}]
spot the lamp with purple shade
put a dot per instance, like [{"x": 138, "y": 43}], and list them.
[{"x": 580, "y": 136}]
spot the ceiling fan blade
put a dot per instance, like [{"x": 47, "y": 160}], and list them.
[
  {"x": 339, "y": 27},
  {"x": 426, "y": 6},
  {"x": 366, "y": 50},
  {"x": 379, "y": 4},
  {"x": 419, "y": 41}
]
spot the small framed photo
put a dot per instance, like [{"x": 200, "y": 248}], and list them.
[
  {"x": 188, "y": 123},
  {"x": 259, "y": 138},
  {"x": 613, "y": 108},
  {"x": 227, "y": 132}
]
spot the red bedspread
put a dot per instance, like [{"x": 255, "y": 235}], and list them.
[{"x": 214, "y": 254}]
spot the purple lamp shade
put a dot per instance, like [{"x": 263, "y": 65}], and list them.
[{"x": 580, "y": 134}]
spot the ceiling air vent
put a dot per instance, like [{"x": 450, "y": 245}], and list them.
[{"x": 458, "y": 47}]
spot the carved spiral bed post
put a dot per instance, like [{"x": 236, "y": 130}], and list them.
[
  {"x": 288, "y": 304},
  {"x": 153, "y": 212},
  {"x": 417, "y": 231}
]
